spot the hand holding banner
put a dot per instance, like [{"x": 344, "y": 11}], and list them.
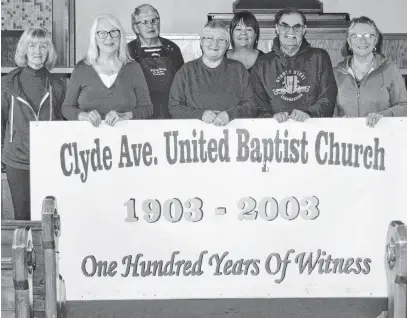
[{"x": 182, "y": 209}]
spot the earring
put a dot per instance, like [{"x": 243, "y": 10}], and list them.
[{"x": 374, "y": 49}]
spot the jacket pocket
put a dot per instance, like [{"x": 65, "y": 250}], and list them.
[{"x": 21, "y": 145}]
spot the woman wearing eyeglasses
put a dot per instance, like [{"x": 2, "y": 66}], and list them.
[
  {"x": 107, "y": 85},
  {"x": 244, "y": 35},
  {"x": 212, "y": 88},
  {"x": 369, "y": 85}
]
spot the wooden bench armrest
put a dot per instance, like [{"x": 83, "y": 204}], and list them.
[
  {"x": 396, "y": 270},
  {"x": 24, "y": 262},
  {"x": 51, "y": 230}
]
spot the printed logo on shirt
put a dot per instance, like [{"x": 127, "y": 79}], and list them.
[
  {"x": 158, "y": 71},
  {"x": 291, "y": 85}
]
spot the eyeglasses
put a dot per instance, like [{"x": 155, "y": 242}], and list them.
[
  {"x": 153, "y": 21},
  {"x": 103, "y": 34},
  {"x": 219, "y": 41},
  {"x": 359, "y": 36},
  {"x": 286, "y": 28}
]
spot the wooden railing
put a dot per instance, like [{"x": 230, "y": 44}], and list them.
[{"x": 31, "y": 283}]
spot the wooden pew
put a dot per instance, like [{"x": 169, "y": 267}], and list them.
[
  {"x": 17, "y": 276},
  {"x": 396, "y": 270},
  {"x": 7, "y": 208},
  {"x": 47, "y": 287}
]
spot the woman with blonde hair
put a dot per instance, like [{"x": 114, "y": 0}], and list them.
[
  {"x": 107, "y": 85},
  {"x": 28, "y": 93}
]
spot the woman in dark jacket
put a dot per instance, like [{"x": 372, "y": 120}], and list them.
[{"x": 28, "y": 93}]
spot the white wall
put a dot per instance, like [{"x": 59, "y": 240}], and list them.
[{"x": 189, "y": 16}]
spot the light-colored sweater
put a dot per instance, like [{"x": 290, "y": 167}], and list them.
[{"x": 381, "y": 91}]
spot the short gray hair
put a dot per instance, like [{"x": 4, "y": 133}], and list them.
[
  {"x": 215, "y": 25},
  {"x": 144, "y": 8}
]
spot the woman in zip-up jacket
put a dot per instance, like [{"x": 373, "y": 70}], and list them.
[
  {"x": 369, "y": 85},
  {"x": 28, "y": 93}
]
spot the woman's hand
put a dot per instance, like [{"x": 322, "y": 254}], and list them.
[
  {"x": 222, "y": 119},
  {"x": 372, "y": 119},
  {"x": 208, "y": 116},
  {"x": 113, "y": 117},
  {"x": 93, "y": 117}
]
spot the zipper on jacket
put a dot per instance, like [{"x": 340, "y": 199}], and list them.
[
  {"x": 364, "y": 79},
  {"x": 358, "y": 101},
  {"x": 29, "y": 106}
]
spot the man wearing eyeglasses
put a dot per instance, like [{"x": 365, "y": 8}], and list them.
[
  {"x": 294, "y": 80},
  {"x": 159, "y": 58}
]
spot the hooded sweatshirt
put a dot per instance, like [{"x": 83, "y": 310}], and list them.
[
  {"x": 381, "y": 91},
  {"x": 16, "y": 114},
  {"x": 304, "y": 81}
]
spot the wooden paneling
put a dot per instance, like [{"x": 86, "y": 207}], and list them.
[
  {"x": 314, "y": 21},
  {"x": 231, "y": 308},
  {"x": 395, "y": 47},
  {"x": 7, "y": 209},
  {"x": 270, "y": 6},
  {"x": 63, "y": 31},
  {"x": 7, "y": 232},
  {"x": 7, "y": 288},
  {"x": 9, "y": 40}
]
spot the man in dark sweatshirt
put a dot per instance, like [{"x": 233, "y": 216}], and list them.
[{"x": 294, "y": 80}]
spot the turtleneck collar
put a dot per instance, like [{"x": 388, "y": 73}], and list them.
[{"x": 31, "y": 71}]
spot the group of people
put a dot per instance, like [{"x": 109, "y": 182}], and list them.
[{"x": 148, "y": 78}]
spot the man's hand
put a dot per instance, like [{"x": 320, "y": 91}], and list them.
[
  {"x": 222, "y": 119},
  {"x": 372, "y": 119},
  {"x": 208, "y": 116},
  {"x": 93, "y": 117},
  {"x": 281, "y": 117},
  {"x": 299, "y": 115}
]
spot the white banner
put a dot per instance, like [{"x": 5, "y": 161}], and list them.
[{"x": 182, "y": 209}]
